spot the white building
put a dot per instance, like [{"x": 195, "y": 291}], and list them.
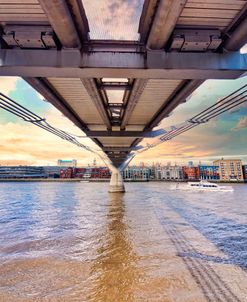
[
  {"x": 136, "y": 172},
  {"x": 171, "y": 172}
]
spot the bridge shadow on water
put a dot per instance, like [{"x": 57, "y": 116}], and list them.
[
  {"x": 212, "y": 285},
  {"x": 229, "y": 236}
]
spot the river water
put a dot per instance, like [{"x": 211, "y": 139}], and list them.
[{"x": 76, "y": 242}]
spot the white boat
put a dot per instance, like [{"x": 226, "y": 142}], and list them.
[{"x": 204, "y": 186}]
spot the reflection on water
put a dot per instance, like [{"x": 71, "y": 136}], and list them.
[
  {"x": 115, "y": 268},
  {"x": 76, "y": 242}
]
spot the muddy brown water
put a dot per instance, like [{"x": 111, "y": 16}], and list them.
[{"x": 76, "y": 242}]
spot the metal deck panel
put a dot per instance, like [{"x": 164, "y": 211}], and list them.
[
  {"x": 21, "y": 11},
  {"x": 210, "y": 13},
  {"x": 153, "y": 97},
  {"x": 76, "y": 96}
]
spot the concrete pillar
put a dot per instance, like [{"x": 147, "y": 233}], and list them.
[{"x": 116, "y": 182}]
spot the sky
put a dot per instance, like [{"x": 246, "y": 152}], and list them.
[
  {"x": 224, "y": 136},
  {"x": 22, "y": 143},
  {"x": 111, "y": 19}
]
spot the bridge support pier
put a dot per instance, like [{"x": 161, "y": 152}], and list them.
[{"x": 116, "y": 182}]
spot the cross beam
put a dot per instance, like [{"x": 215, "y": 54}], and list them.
[
  {"x": 154, "y": 64},
  {"x": 120, "y": 149},
  {"x": 124, "y": 133}
]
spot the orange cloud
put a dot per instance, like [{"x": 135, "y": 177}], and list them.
[
  {"x": 26, "y": 143},
  {"x": 242, "y": 123}
]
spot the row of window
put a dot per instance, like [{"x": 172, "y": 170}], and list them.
[{"x": 207, "y": 186}]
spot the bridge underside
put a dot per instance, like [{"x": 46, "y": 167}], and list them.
[{"x": 117, "y": 91}]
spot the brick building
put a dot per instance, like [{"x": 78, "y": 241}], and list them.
[
  {"x": 67, "y": 173},
  {"x": 95, "y": 172},
  {"x": 191, "y": 173}
]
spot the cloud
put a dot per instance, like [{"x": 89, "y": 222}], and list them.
[
  {"x": 24, "y": 143},
  {"x": 113, "y": 19},
  {"x": 19, "y": 162},
  {"x": 28, "y": 144},
  {"x": 242, "y": 123},
  {"x": 8, "y": 84},
  {"x": 244, "y": 49}
]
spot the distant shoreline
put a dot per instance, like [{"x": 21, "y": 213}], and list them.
[
  {"x": 52, "y": 180},
  {"x": 108, "y": 180}
]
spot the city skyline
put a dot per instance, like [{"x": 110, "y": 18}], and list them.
[
  {"x": 25, "y": 144},
  {"x": 99, "y": 163},
  {"x": 225, "y": 136},
  {"x": 219, "y": 170}
]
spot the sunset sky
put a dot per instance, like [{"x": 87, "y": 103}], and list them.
[{"x": 22, "y": 143}]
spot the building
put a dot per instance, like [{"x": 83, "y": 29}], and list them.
[
  {"x": 20, "y": 172},
  {"x": 100, "y": 172},
  {"x": 230, "y": 169},
  {"x": 245, "y": 172},
  {"x": 86, "y": 173},
  {"x": 209, "y": 172},
  {"x": 67, "y": 163},
  {"x": 80, "y": 172},
  {"x": 67, "y": 173},
  {"x": 137, "y": 172},
  {"x": 158, "y": 171},
  {"x": 153, "y": 171},
  {"x": 190, "y": 164},
  {"x": 52, "y": 171},
  {"x": 191, "y": 173},
  {"x": 172, "y": 173}
]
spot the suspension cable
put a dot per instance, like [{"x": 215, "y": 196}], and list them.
[
  {"x": 229, "y": 102},
  {"x": 28, "y": 116}
]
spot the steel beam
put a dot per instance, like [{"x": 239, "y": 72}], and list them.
[
  {"x": 115, "y": 86},
  {"x": 118, "y": 157},
  {"x": 93, "y": 92},
  {"x": 42, "y": 86},
  {"x": 143, "y": 134},
  {"x": 114, "y": 45},
  {"x": 62, "y": 22},
  {"x": 122, "y": 153},
  {"x": 48, "y": 92},
  {"x": 238, "y": 37},
  {"x": 183, "y": 91},
  {"x": 156, "y": 64},
  {"x": 80, "y": 19},
  {"x": 165, "y": 19},
  {"x": 179, "y": 96},
  {"x": 146, "y": 19},
  {"x": 135, "y": 94},
  {"x": 117, "y": 149}
]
